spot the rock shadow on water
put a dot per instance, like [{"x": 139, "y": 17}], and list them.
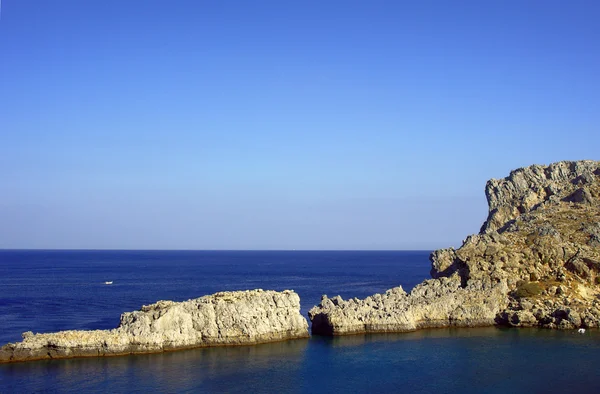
[
  {"x": 459, "y": 360},
  {"x": 500, "y": 333},
  {"x": 184, "y": 370}
]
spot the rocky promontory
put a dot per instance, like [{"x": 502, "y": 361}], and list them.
[
  {"x": 535, "y": 262},
  {"x": 222, "y": 319}
]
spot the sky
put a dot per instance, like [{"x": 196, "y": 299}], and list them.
[{"x": 282, "y": 124}]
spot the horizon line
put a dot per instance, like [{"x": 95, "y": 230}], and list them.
[{"x": 215, "y": 250}]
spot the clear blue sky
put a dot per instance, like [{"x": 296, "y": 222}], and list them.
[{"x": 282, "y": 124}]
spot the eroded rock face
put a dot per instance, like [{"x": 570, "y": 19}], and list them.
[
  {"x": 226, "y": 318},
  {"x": 525, "y": 188},
  {"x": 535, "y": 262},
  {"x": 434, "y": 303}
]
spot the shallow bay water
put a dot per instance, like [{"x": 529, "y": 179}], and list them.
[{"x": 46, "y": 291}]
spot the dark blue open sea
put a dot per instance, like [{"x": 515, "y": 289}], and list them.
[{"x": 45, "y": 291}]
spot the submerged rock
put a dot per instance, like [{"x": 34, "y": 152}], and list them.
[
  {"x": 535, "y": 262},
  {"x": 225, "y": 318}
]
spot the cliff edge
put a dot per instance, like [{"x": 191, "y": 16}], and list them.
[
  {"x": 535, "y": 262},
  {"x": 225, "y": 318}
]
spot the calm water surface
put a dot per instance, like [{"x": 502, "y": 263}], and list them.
[{"x": 55, "y": 290}]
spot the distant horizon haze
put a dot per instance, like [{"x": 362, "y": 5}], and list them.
[{"x": 266, "y": 125}]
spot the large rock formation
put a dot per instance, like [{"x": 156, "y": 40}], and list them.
[
  {"x": 535, "y": 262},
  {"x": 226, "y": 318}
]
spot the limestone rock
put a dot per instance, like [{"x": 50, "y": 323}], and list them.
[
  {"x": 535, "y": 262},
  {"x": 434, "y": 303},
  {"x": 225, "y": 318},
  {"x": 525, "y": 188}
]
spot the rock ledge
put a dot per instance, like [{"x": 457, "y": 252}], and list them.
[{"x": 222, "y": 319}]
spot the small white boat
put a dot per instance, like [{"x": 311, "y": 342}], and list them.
[{"x": 108, "y": 283}]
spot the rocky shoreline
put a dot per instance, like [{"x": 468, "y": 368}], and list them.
[
  {"x": 434, "y": 303},
  {"x": 222, "y": 319},
  {"x": 534, "y": 263}
]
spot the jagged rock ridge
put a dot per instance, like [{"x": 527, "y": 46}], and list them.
[
  {"x": 225, "y": 318},
  {"x": 535, "y": 262},
  {"x": 526, "y": 188}
]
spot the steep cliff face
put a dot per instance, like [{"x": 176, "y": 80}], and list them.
[
  {"x": 226, "y": 318},
  {"x": 535, "y": 262},
  {"x": 542, "y": 238},
  {"x": 526, "y": 188}
]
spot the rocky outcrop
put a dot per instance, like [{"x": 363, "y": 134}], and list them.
[
  {"x": 526, "y": 188},
  {"x": 433, "y": 303},
  {"x": 221, "y": 319},
  {"x": 535, "y": 262}
]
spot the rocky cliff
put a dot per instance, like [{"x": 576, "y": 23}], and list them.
[
  {"x": 226, "y": 318},
  {"x": 535, "y": 262}
]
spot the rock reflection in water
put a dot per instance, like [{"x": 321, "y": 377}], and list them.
[
  {"x": 205, "y": 369},
  {"x": 453, "y": 360}
]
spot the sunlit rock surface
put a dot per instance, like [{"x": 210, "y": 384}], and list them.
[
  {"x": 225, "y": 318},
  {"x": 535, "y": 262}
]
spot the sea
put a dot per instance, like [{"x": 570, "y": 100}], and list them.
[{"x": 52, "y": 290}]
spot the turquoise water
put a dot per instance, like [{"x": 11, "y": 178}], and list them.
[{"x": 46, "y": 291}]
